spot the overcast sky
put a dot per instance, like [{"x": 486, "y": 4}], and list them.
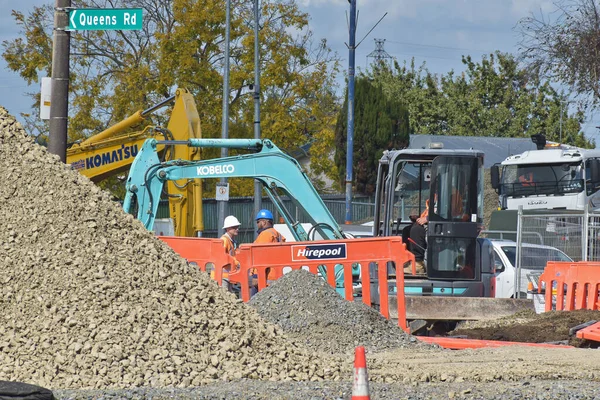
[{"x": 436, "y": 32}]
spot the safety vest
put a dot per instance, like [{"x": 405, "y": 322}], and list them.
[
  {"x": 230, "y": 247},
  {"x": 229, "y": 244},
  {"x": 269, "y": 235}
]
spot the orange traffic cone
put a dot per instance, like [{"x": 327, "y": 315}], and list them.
[
  {"x": 530, "y": 290},
  {"x": 360, "y": 387}
]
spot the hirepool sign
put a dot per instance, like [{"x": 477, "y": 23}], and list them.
[{"x": 99, "y": 19}]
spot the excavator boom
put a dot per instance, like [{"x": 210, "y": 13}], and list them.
[
  {"x": 279, "y": 173},
  {"x": 113, "y": 150}
]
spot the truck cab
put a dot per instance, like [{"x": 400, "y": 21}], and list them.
[{"x": 553, "y": 177}]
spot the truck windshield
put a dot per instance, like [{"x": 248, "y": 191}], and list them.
[
  {"x": 534, "y": 257},
  {"x": 541, "y": 179}
]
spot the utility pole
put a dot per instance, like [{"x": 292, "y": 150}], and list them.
[
  {"x": 59, "y": 99},
  {"x": 561, "y": 114},
  {"x": 225, "y": 119},
  {"x": 350, "y": 134},
  {"x": 257, "y": 184}
]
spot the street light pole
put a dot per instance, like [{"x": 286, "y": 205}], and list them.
[
  {"x": 257, "y": 133},
  {"x": 225, "y": 119},
  {"x": 59, "y": 98},
  {"x": 350, "y": 134}
]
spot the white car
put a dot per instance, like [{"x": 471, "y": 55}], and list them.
[{"x": 533, "y": 261}]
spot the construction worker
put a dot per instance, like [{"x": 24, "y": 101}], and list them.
[
  {"x": 231, "y": 225},
  {"x": 266, "y": 234},
  {"x": 414, "y": 236}
]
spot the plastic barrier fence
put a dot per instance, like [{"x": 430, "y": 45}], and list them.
[
  {"x": 570, "y": 286},
  {"x": 269, "y": 262},
  {"x": 206, "y": 253},
  {"x": 590, "y": 333}
]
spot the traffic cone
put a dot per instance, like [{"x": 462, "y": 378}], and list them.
[
  {"x": 530, "y": 290},
  {"x": 360, "y": 387}
]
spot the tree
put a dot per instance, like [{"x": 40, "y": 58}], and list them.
[
  {"x": 565, "y": 46},
  {"x": 494, "y": 97},
  {"x": 114, "y": 73},
  {"x": 380, "y": 123}
]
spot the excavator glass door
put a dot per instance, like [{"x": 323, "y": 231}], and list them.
[{"x": 455, "y": 213}]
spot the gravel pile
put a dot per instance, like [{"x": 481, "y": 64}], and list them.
[
  {"x": 312, "y": 313},
  {"x": 90, "y": 299}
]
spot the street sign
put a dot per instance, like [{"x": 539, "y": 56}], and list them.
[
  {"x": 222, "y": 192},
  {"x": 99, "y": 19}
]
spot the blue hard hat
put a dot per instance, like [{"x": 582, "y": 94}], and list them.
[{"x": 264, "y": 214}]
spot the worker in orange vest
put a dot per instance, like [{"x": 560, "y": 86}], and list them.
[
  {"x": 231, "y": 225},
  {"x": 266, "y": 234}
]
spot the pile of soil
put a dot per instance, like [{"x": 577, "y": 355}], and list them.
[
  {"x": 527, "y": 326},
  {"x": 312, "y": 313},
  {"x": 91, "y": 299}
]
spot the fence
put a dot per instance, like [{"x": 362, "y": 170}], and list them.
[
  {"x": 571, "y": 286},
  {"x": 363, "y": 208},
  {"x": 576, "y": 234},
  {"x": 336, "y": 262}
]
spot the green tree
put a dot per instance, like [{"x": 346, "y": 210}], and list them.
[
  {"x": 114, "y": 73},
  {"x": 564, "y": 46},
  {"x": 494, "y": 97},
  {"x": 380, "y": 123}
]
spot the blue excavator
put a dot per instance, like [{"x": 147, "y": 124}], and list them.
[{"x": 460, "y": 266}]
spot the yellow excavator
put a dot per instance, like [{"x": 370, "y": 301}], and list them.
[{"x": 112, "y": 151}]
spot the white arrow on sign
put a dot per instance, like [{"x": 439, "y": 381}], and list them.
[{"x": 72, "y": 18}]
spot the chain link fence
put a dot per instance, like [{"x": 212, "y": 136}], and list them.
[{"x": 576, "y": 234}]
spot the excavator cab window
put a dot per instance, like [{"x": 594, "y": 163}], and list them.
[
  {"x": 456, "y": 205},
  {"x": 455, "y": 190},
  {"x": 411, "y": 188}
]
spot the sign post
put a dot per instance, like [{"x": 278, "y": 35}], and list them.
[
  {"x": 96, "y": 19},
  {"x": 222, "y": 192}
]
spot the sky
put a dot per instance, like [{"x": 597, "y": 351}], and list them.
[{"x": 437, "y": 32}]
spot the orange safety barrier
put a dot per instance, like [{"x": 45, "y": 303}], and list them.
[
  {"x": 272, "y": 260},
  {"x": 592, "y": 332},
  {"x": 205, "y": 253},
  {"x": 461, "y": 344},
  {"x": 570, "y": 285}
]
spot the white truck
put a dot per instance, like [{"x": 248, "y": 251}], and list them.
[{"x": 555, "y": 176}]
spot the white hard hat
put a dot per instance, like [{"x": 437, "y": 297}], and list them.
[{"x": 230, "y": 221}]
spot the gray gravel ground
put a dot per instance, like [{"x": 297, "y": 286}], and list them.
[
  {"x": 255, "y": 390},
  {"x": 312, "y": 313}
]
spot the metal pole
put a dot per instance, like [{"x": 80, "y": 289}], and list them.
[
  {"x": 59, "y": 98},
  {"x": 518, "y": 253},
  {"x": 561, "y": 114},
  {"x": 585, "y": 235},
  {"x": 225, "y": 119},
  {"x": 257, "y": 134},
  {"x": 350, "y": 138}
]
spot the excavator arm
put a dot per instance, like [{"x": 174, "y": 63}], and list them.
[
  {"x": 113, "y": 150},
  {"x": 278, "y": 172}
]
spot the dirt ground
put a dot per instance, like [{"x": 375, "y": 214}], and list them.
[{"x": 530, "y": 327}]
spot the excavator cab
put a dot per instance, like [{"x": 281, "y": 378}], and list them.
[{"x": 446, "y": 187}]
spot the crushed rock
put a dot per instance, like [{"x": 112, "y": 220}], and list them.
[
  {"x": 312, "y": 313},
  {"x": 91, "y": 299}
]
